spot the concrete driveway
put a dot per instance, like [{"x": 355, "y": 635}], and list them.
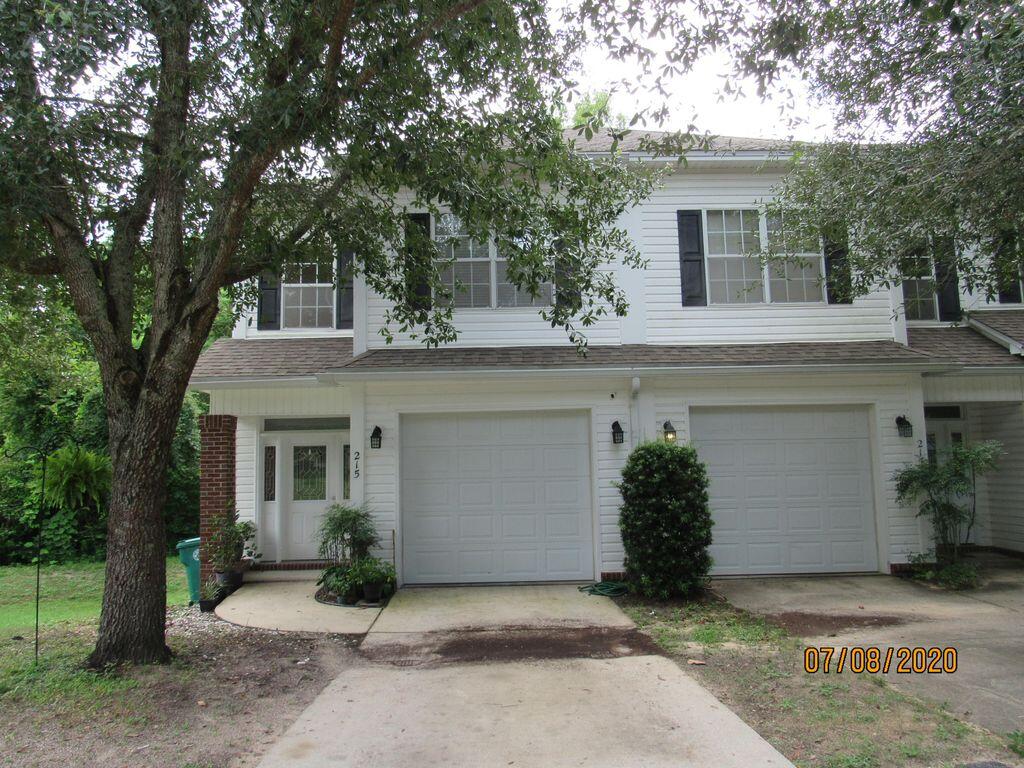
[
  {"x": 986, "y": 626},
  {"x": 515, "y": 676}
]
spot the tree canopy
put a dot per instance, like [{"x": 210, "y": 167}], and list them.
[{"x": 929, "y": 147}]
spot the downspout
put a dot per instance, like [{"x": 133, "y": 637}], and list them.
[{"x": 634, "y": 412}]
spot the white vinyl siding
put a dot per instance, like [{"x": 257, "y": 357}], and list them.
[
  {"x": 1001, "y": 494},
  {"x": 668, "y": 322}
]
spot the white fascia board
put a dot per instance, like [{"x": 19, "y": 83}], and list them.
[
  {"x": 379, "y": 374},
  {"x": 987, "y": 370},
  {"x": 208, "y": 383},
  {"x": 1014, "y": 346}
]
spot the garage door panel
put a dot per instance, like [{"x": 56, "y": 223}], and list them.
[
  {"x": 518, "y": 493},
  {"x": 791, "y": 489},
  {"x": 761, "y": 455},
  {"x": 521, "y": 485}
]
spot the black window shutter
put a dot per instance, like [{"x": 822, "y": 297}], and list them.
[
  {"x": 691, "y": 258},
  {"x": 838, "y": 274},
  {"x": 343, "y": 291},
  {"x": 268, "y": 305},
  {"x": 1010, "y": 294},
  {"x": 421, "y": 290},
  {"x": 947, "y": 283}
]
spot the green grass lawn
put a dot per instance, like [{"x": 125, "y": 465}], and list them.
[{"x": 69, "y": 593}]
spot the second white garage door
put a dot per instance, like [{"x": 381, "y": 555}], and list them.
[
  {"x": 791, "y": 489},
  {"x": 496, "y": 497}
]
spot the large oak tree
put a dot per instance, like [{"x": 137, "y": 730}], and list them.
[{"x": 154, "y": 153}]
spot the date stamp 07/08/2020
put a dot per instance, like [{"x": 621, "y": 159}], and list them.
[{"x": 903, "y": 660}]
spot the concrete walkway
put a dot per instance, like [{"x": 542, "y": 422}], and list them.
[
  {"x": 515, "y": 676},
  {"x": 289, "y": 606},
  {"x": 984, "y": 625}
]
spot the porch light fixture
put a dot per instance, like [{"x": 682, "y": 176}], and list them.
[
  {"x": 669, "y": 432},
  {"x": 618, "y": 435},
  {"x": 375, "y": 437},
  {"x": 904, "y": 427}
]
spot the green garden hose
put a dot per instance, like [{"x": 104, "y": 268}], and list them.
[{"x": 606, "y": 588}]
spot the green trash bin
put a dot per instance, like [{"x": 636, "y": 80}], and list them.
[{"x": 188, "y": 553}]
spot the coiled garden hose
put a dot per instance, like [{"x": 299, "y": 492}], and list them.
[{"x": 606, "y": 588}]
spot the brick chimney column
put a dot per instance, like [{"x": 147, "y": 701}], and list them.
[{"x": 216, "y": 477}]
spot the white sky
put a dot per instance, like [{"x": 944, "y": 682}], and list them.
[{"x": 698, "y": 97}]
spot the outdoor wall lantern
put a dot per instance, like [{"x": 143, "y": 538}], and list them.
[
  {"x": 669, "y": 431},
  {"x": 904, "y": 427},
  {"x": 375, "y": 437},
  {"x": 618, "y": 435}
]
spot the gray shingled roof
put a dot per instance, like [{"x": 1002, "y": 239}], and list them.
[
  {"x": 962, "y": 345},
  {"x": 1009, "y": 322},
  {"x": 256, "y": 358},
  {"x": 632, "y": 140},
  {"x": 638, "y": 356}
]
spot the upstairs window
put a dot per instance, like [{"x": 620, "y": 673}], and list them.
[
  {"x": 476, "y": 274},
  {"x": 920, "y": 300},
  {"x": 735, "y": 239},
  {"x": 464, "y": 265},
  {"x": 734, "y": 275},
  {"x": 799, "y": 279},
  {"x": 308, "y": 295}
]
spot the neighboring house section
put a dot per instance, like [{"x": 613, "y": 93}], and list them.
[{"x": 496, "y": 458}]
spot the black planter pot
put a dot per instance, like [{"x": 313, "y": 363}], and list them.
[
  {"x": 207, "y": 606},
  {"x": 372, "y": 592},
  {"x": 229, "y": 580}
]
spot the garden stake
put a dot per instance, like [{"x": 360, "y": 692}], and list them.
[{"x": 42, "y": 453}]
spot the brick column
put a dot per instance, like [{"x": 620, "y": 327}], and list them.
[{"x": 216, "y": 476}]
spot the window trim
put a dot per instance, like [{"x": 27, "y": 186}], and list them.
[
  {"x": 762, "y": 231},
  {"x": 933, "y": 278}
]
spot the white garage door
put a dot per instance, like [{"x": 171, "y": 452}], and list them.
[
  {"x": 791, "y": 489},
  {"x": 496, "y": 497}
]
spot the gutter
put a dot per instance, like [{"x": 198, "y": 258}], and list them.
[
  {"x": 406, "y": 374},
  {"x": 1015, "y": 347}
]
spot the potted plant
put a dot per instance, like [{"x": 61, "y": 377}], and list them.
[
  {"x": 373, "y": 576},
  {"x": 227, "y": 549},
  {"x": 337, "y": 586},
  {"x": 209, "y": 595}
]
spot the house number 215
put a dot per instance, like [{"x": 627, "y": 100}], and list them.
[{"x": 355, "y": 463}]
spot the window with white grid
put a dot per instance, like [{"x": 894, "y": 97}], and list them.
[
  {"x": 308, "y": 295},
  {"x": 799, "y": 277},
  {"x": 508, "y": 294},
  {"x": 920, "y": 301},
  {"x": 464, "y": 265},
  {"x": 734, "y": 275}
]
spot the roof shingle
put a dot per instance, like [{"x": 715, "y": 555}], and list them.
[
  {"x": 962, "y": 345},
  {"x": 1009, "y": 322},
  {"x": 638, "y": 356},
  {"x": 256, "y": 358}
]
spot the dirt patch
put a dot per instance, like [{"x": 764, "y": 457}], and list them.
[
  {"x": 514, "y": 644},
  {"x": 228, "y": 694},
  {"x": 805, "y": 624}
]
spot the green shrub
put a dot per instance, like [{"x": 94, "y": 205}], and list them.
[
  {"x": 945, "y": 489},
  {"x": 231, "y": 542},
  {"x": 346, "y": 533},
  {"x": 665, "y": 520}
]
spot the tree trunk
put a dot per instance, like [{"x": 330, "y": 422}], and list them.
[{"x": 135, "y": 594}]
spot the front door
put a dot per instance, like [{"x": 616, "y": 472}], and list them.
[
  {"x": 312, "y": 477},
  {"x": 943, "y": 434}
]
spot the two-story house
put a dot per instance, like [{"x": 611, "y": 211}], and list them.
[{"x": 495, "y": 458}]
